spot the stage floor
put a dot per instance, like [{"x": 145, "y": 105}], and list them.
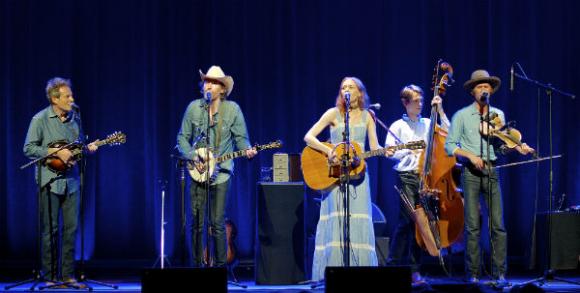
[{"x": 435, "y": 284}]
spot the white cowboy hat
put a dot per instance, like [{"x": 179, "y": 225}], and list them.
[
  {"x": 216, "y": 73},
  {"x": 482, "y": 76}
]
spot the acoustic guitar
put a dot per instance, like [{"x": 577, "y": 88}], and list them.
[
  {"x": 319, "y": 175},
  {"x": 202, "y": 153},
  {"x": 56, "y": 165}
]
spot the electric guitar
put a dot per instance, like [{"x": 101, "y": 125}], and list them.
[
  {"x": 318, "y": 175},
  {"x": 200, "y": 176},
  {"x": 56, "y": 165}
]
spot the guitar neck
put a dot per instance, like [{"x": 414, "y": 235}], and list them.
[
  {"x": 380, "y": 152},
  {"x": 231, "y": 156}
]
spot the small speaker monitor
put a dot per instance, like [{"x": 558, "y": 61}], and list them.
[
  {"x": 180, "y": 279},
  {"x": 368, "y": 279}
]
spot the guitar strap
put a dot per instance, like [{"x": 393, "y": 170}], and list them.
[{"x": 218, "y": 135}]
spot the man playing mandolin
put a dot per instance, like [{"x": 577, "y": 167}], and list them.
[
  {"x": 466, "y": 142},
  {"x": 227, "y": 128},
  {"x": 412, "y": 127},
  {"x": 57, "y": 122}
]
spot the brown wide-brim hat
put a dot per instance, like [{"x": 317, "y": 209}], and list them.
[
  {"x": 482, "y": 76},
  {"x": 216, "y": 73}
]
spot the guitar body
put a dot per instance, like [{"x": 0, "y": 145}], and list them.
[
  {"x": 318, "y": 175},
  {"x": 210, "y": 167}
]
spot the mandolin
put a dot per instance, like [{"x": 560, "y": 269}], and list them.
[
  {"x": 318, "y": 175},
  {"x": 56, "y": 165}
]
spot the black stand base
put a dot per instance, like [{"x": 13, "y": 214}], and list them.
[
  {"x": 549, "y": 275},
  {"x": 84, "y": 281},
  {"x": 36, "y": 280}
]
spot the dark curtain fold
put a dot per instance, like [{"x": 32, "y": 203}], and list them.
[{"x": 134, "y": 67}]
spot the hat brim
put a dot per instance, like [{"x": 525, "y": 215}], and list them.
[
  {"x": 494, "y": 81},
  {"x": 227, "y": 81}
]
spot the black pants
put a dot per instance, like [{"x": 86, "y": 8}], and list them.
[
  {"x": 69, "y": 205},
  {"x": 404, "y": 248},
  {"x": 218, "y": 199},
  {"x": 474, "y": 186}
]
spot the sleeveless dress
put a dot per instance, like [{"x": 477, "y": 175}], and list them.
[{"x": 329, "y": 231}]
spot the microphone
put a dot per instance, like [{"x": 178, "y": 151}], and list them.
[
  {"x": 484, "y": 96},
  {"x": 75, "y": 107},
  {"x": 375, "y": 106},
  {"x": 512, "y": 78},
  {"x": 347, "y": 97},
  {"x": 208, "y": 97}
]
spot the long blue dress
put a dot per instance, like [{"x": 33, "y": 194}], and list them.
[{"x": 329, "y": 231}]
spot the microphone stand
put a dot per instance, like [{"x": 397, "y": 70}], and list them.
[
  {"x": 209, "y": 233},
  {"x": 345, "y": 181},
  {"x": 488, "y": 166},
  {"x": 82, "y": 168},
  {"x": 548, "y": 274}
]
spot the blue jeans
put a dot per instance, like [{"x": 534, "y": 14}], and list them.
[
  {"x": 218, "y": 198},
  {"x": 475, "y": 185},
  {"x": 69, "y": 204},
  {"x": 404, "y": 248}
]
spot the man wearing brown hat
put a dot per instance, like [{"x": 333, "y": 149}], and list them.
[
  {"x": 469, "y": 146},
  {"x": 227, "y": 128}
]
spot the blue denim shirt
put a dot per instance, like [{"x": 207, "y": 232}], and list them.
[
  {"x": 233, "y": 131},
  {"x": 464, "y": 133},
  {"x": 45, "y": 128}
]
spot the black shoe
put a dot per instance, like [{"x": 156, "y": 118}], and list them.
[{"x": 501, "y": 282}]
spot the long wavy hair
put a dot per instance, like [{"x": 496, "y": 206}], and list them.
[{"x": 362, "y": 102}]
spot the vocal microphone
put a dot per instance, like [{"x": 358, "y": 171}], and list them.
[
  {"x": 75, "y": 106},
  {"x": 484, "y": 96},
  {"x": 512, "y": 78},
  {"x": 208, "y": 97},
  {"x": 375, "y": 106},
  {"x": 347, "y": 96}
]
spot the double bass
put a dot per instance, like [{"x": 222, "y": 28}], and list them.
[{"x": 439, "y": 217}]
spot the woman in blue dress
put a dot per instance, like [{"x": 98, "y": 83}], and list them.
[{"x": 330, "y": 244}]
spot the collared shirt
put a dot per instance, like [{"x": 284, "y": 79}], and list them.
[
  {"x": 408, "y": 130},
  {"x": 233, "y": 131},
  {"x": 45, "y": 128},
  {"x": 464, "y": 133}
]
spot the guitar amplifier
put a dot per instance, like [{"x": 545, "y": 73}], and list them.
[{"x": 286, "y": 167}]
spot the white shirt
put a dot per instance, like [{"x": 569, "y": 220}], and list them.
[{"x": 408, "y": 130}]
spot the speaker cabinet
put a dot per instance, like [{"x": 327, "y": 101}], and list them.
[
  {"x": 279, "y": 256},
  {"x": 368, "y": 279},
  {"x": 176, "y": 280},
  {"x": 564, "y": 240}
]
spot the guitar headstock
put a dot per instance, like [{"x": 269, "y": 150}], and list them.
[
  {"x": 273, "y": 145},
  {"x": 115, "y": 138},
  {"x": 416, "y": 145}
]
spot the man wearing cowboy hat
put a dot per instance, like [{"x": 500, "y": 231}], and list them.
[
  {"x": 227, "y": 128},
  {"x": 468, "y": 145}
]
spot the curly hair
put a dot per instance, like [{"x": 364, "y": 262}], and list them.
[{"x": 53, "y": 85}]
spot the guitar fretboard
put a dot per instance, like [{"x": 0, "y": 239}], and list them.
[
  {"x": 381, "y": 152},
  {"x": 230, "y": 156}
]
